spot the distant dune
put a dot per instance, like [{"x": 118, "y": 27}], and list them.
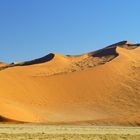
[
  {"x": 100, "y": 87},
  {"x": 2, "y": 64}
]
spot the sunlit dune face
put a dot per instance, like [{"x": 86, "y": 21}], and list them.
[{"x": 100, "y": 87}]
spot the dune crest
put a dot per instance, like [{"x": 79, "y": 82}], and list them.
[{"x": 100, "y": 87}]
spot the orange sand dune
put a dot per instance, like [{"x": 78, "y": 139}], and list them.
[
  {"x": 101, "y": 87},
  {"x": 2, "y": 64}
]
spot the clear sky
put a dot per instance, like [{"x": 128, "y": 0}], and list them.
[{"x": 33, "y": 28}]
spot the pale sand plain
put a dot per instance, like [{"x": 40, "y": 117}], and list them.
[{"x": 67, "y": 132}]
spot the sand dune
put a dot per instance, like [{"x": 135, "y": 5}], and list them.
[
  {"x": 100, "y": 87},
  {"x": 2, "y": 64}
]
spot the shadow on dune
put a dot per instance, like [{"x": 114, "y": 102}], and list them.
[
  {"x": 37, "y": 61},
  {"x": 4, "y": 119},
  {"x": 44, "y": 59},
  {"x": 111, "y": 49},
  {"x": 106, "y": 52}
]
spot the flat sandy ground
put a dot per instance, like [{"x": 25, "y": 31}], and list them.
[{"x": 67, "y": 132}]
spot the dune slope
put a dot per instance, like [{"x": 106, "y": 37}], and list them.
[{"x": 100, "y": 87}]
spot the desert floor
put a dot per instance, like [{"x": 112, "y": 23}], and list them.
[{"x": 67, "y": 132}]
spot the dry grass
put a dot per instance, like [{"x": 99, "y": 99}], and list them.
[{"x": 46, "y": 132}]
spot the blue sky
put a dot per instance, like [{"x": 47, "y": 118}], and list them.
[{"x": 34, "y": 28}]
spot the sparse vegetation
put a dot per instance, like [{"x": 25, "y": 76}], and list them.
[{"x": 45, "y": 132}]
